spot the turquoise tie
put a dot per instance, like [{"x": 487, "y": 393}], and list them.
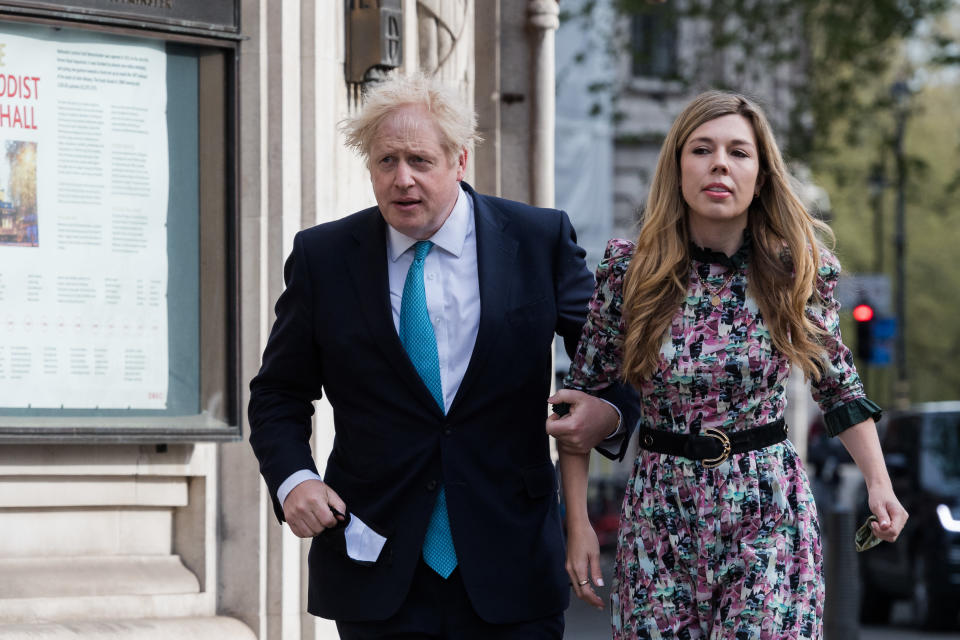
[{"x": 417, "y": 337}]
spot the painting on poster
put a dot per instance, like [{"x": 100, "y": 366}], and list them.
[{"x": 18, "y": 193}]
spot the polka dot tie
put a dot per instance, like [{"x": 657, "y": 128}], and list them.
[{"x": 420, "y": 342}]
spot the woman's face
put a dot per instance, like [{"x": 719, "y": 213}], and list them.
[{"x": 719, "y": 166}]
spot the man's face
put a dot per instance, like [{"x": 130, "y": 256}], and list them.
[{"x": 415, "y": 182}]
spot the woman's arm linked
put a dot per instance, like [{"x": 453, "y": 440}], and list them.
[{"x": 583, "y": 549}]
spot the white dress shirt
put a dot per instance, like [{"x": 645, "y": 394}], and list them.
[{"x": 453, "y": 300}]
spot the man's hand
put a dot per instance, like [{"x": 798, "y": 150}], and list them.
[
  {"x": 588, "y": 422},
  {"x": 307, "y": 508}
]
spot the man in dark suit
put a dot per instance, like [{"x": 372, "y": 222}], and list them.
[{"x": 428, "y": 322}]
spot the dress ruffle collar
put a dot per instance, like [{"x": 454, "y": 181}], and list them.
[{"x": 738, "y": 260}]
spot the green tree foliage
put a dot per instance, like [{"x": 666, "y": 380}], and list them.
[
  {"x": 932, "y": 223},
  {"x": 832, "y": 47}
]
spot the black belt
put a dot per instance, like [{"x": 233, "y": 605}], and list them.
[{"x": 713, "y": 446}]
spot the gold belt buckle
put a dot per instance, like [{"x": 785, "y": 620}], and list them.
[{"x": 710, "y": 463}]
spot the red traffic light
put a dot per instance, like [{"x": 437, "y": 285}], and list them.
[{"x": 863, "y": 313}]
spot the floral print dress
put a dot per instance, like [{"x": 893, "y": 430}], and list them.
[{"x": 733, "y": 551}]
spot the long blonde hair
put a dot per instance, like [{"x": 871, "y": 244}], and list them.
[{"x": 783, "y": 264}]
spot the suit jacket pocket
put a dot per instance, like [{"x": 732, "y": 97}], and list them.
[
  {"x": 539, "y": 480},
  {"x": 335, "y": 539}
]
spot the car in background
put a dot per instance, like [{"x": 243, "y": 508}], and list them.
[
  {"x": 922, "y": 451},
  {"x": 826, "y": 456}
]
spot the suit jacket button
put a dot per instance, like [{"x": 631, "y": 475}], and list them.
[
  {"x": 447, "y": 432},
  {"x": 431, "y": 485}
]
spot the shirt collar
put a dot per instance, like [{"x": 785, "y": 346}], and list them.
[{"x": 450, "y": 237}]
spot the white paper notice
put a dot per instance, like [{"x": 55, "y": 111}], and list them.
[{"x": 83, "y": 208}]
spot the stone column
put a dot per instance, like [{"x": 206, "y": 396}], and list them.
[
  {"x": 542, "y": 22},
  {"x": 486, "y": 156},
  {"x": 445, "y": 49}
]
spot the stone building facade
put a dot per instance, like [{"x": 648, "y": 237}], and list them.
[{"x": 119, "y": 533}]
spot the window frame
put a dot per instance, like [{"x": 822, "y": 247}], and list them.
[{"x": 218, "y": 204}]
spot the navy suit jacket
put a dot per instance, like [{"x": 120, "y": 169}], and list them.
[{"x": 393, "y": 446}]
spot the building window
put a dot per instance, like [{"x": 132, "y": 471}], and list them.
[
  {"x": 653, "y": 39},
  {"x": 117, "y": 243}
]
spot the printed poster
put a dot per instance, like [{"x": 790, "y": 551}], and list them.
[{"x": 83, "y": 206}]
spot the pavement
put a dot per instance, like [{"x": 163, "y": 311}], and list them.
[
  {"x": 586, "y": 623},
  {"x": 583, "y": 622}
]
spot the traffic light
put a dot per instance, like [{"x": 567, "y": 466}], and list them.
[{"x": 863, "y": 315}]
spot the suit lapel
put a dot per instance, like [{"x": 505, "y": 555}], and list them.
[
  {"x": 496, "y": 252},
  {"x": 368, "y": 269}
]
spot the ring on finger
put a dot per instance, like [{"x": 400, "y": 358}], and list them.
[{"x": 583, "y": 582}]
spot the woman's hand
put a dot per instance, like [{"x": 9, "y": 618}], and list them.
[
  {"x": 583, "y": 562},
  {"x": 891, "y": 516},
  {"x": 583, "y": 549}
]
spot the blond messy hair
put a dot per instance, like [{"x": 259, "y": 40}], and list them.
[
  {"x": 784, "y": 260},
  {"x": 456, "y": 121}
]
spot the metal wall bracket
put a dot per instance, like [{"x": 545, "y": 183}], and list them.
[{"x": 374, "y": 38}]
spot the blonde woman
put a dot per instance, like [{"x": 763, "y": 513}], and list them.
[{"x": 727, "y": 286}]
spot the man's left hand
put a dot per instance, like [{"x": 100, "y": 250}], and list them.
[
  {"x": 588, "y": 422},
  {"x": 308, "y": 508}
]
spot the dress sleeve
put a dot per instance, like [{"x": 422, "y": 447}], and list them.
[
  {"x": 596, "y": 365},
  {"x": 839, "y": 392}
]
